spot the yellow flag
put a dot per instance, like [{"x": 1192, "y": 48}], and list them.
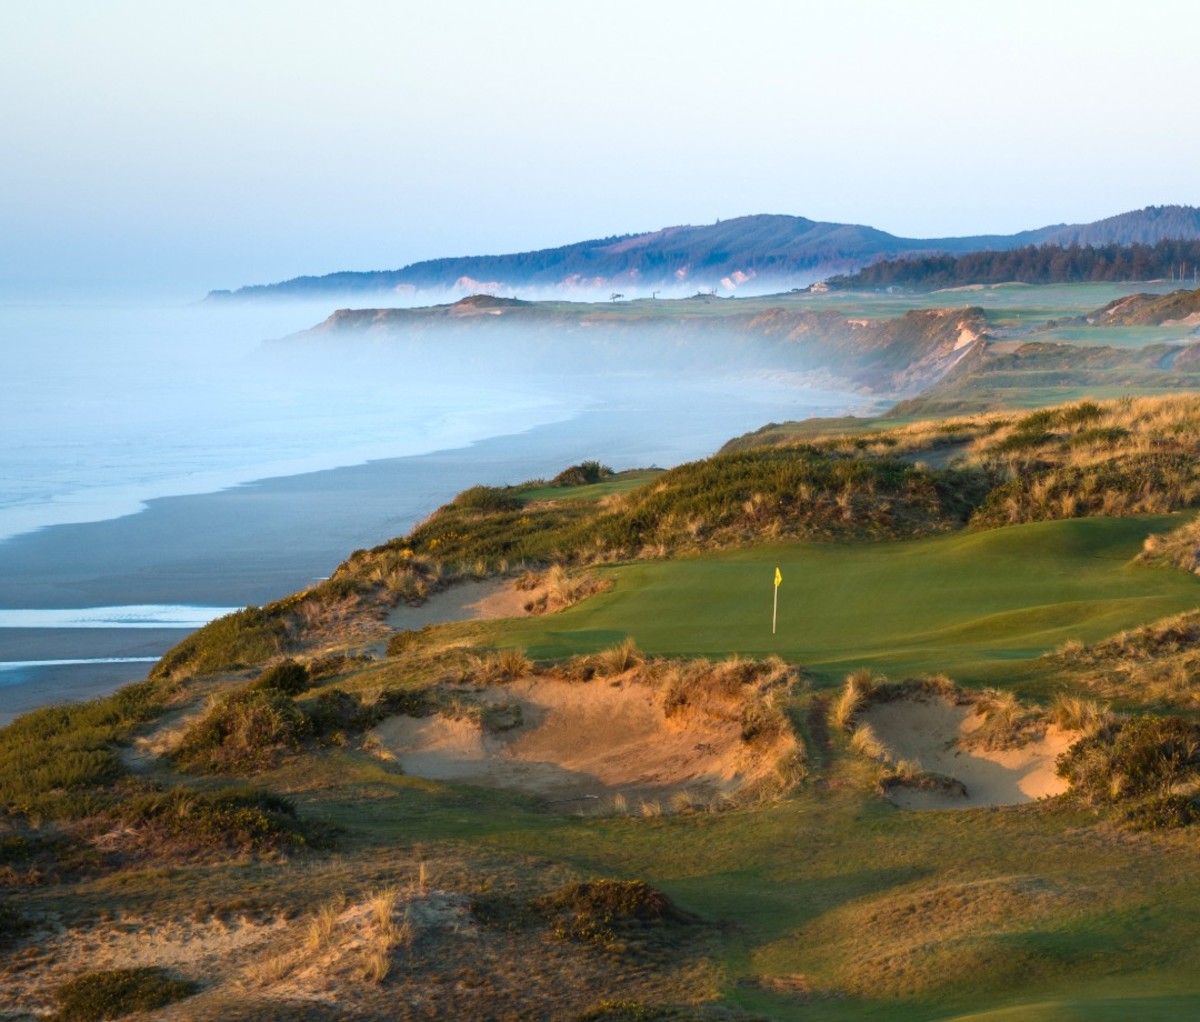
[{"x": 778, "y": 577}]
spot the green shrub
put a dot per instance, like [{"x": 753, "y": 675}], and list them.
[
  {"x": 487, "y": 498},
  {"x": 114, "y": 993},
  {"x": 633, "y": 1011},
  {"x": 1133, "y": 758},
  {"x": 289, "y": 677},
  {"x": 337, "y": 663},
  {"x": 401, "y": 641},
  {"x": 244, "y": 732},
  {"x": 13, "y": 925},
  {"x": 228, "y": 818},
  {"x": 583, "y": 474},
  {"x": 337, "y": 712},
  {"x": 597, "y": 910}
]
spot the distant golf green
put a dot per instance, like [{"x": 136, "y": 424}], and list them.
[{"x": 979, "y": 605}]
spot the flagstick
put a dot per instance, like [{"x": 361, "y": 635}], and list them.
[{"x": 775, "y": 610}]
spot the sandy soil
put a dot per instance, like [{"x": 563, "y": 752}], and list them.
[
  {"x": 577, "y": 741},
  {"x": 930, "y": 731},
  {"x": 190, "y": 947},
  {"x": 464, "y": 601}
]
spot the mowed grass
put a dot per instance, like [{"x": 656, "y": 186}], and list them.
[{"x": 981, "y": 606}]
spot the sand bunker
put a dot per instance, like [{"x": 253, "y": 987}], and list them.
[
  {"x": 463, "y": 601},
  {"x": 931, "y": 731},
  {"x": 576, "y": 741}
]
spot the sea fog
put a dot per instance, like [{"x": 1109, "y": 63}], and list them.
[{"x": 161, "y": 464}]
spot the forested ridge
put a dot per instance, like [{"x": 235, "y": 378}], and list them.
[{"x": 1032, "y": 264}]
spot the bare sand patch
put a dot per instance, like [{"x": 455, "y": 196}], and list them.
[
  {"x": 933, "y": 732},
  {"x": 198, "y": 949},
  {"x": 463, "y": 601},
  {"x": 584, "y": 740}
]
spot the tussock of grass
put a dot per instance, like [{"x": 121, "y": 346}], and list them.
[
  {"x": 867, "y": 743},
  {"x": 1179, "y": 548},
  {"x": 1154, "y": 665},
  {"x": 860, "y": 687},
  {"x": 1007, "y": 722},
  {"x": 556, "y": 589},
  {"x": 1075, "y": 713}
]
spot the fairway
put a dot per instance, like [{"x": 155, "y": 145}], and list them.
[{"x": 979, "y": 605}]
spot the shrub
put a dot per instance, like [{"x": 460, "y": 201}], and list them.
[
  {"x": 13, "y": 925},
  {"x": 114, "y": 993},
  {"x": 583, "y": 474},
  {"x": 233, "y": 818},
  {"x": 487, "y": 498},
  {"x": 241, "y": 639},
  {"x": 337, "y": 663},
  {"x": 245, "y": 731},
  {"x": 1133, "y": 757},
  {"x": 402, "y": 641},
  {"x": 289, "y": 677},
  {"x": 594, "y": 910}
]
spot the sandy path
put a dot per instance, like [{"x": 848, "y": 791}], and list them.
[{"x": 930, "y": 730}]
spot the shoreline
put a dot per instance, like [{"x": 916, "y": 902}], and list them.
[{"x": 258, "y": 542}]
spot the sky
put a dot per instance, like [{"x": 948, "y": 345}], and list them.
[{"x": 179, "y": 147}]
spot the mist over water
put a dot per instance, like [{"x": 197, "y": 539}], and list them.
[{"x": 104, "y": 407}]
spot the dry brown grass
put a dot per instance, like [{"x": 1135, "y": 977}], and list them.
[
  {"x": 865, "y": 741},
  {"x": 1075, "y": 713},
  {"x": 1155, "y": 665},
  {"x": 1007, "y": 722},
  {"x": 323, "y": 923},
  {"x": 620, "y": 658},
  {"x": 860, "y": 686},
  {"x": 1179, "y": 548}
]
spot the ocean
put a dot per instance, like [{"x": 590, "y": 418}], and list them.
[{"x": 160, "y": 464}]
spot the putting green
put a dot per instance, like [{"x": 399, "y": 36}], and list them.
[{"x": 979, "y": 605}]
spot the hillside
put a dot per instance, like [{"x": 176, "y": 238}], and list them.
[
  {"x": 758, "y": 253},
  {"x": 1182, "y": 307},
  {"x": 553, "y": 790},
  {"x": 886, "y": 357}
]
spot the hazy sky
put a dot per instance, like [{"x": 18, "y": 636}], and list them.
[{"x": 184, "y": 146}]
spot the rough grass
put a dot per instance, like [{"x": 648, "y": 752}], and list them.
[
  {"x": 1156, "y": 664},
  {"x": 59, "y": 761}
]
